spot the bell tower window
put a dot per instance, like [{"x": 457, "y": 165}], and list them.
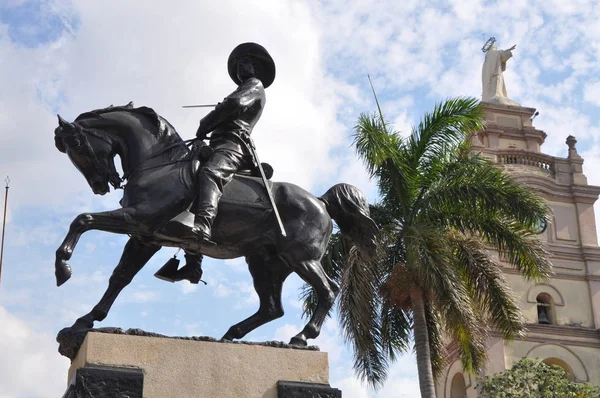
[{"x": 545, "y": 309}]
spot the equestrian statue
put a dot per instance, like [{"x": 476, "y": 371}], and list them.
[{"x": 211, "y": 199}]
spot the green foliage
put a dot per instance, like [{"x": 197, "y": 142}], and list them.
[
  {"x": 441, "y": 209},
  {"x": 532, "y": 379}
]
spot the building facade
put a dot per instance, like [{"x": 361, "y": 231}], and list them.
[{"x": 563, "y": 314}]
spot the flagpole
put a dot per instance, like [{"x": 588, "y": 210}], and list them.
[{"x": 4, "y": 225}]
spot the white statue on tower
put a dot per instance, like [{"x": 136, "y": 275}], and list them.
[{"x": 494, "y": 90}]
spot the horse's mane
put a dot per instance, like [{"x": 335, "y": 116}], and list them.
[{"x": 164, "y": 130}]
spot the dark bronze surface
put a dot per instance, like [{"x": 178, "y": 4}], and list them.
[
  {"x": 162, "y": 179},
  {"x": 95, "y": 381},
  {"x": 296, "y": 389}
]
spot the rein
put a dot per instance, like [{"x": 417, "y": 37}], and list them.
[
  {"x": 243, "y": 139},
  {"x": 137, "y": 168},
  {"x": 114, "y": 178}
]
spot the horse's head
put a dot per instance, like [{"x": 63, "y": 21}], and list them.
[{"x": 91, "y": 152}]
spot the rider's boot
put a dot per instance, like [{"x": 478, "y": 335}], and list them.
[
  {"x": 192, "y": 270},
  {"x": 205, "y": 207}
]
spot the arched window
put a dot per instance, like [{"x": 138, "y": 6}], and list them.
[
  {"x": 545, "y": 309},
  {"x": 541, "y": 226},
  {"x": 458, "y": 389},
  {"x": 565, "y": 366}
]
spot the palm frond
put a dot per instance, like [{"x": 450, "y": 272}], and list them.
[
  {"x": 517, "y": 246},
  {"x": 427, "y": 256},
  {"x": 464, "y": 326},
  {"x": 358, "y": 307},
  {"x": 436, "y": 341},
  {"x": 396, "y": 328},
  {"x": 475, "y": 185},
  {"x": 447, "y": 291},
  {"x": 486, "y": 284},
  {"x": 373, "y": 143},
  {"x": 450, "y": 122},
  {"x": 380, "y": 151}
]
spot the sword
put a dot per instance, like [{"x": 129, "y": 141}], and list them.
[{"x": 266, "y": 183}]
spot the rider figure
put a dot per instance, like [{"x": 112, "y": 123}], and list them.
[
  {"x": 253, "y": 69},
  {"x": 231, "y": 123}
]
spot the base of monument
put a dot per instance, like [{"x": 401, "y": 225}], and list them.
[{"x": 121, "y": 365}]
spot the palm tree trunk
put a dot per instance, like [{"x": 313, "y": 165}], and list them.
[{"x": 426, "y": 383}]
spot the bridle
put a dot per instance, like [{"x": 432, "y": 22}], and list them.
[{"x": 78, "y": 141}]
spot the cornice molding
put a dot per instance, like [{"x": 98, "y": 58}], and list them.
[
  {"x": 565, "y": 335},
  {"x": 560, "y": 275},
  {"x": 522, "y": 110}
]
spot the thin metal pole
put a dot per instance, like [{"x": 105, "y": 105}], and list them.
[{"x": 4, "y": 225}]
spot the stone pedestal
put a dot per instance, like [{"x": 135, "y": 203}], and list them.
[{"x": 157, "y": 367}]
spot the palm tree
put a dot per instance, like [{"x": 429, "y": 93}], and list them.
[{"x": 442, "y": 210}]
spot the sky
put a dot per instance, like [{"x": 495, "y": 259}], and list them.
[{"x": 68, "y": 57}]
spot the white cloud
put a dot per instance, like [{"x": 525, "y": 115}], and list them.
[
  {"x": 15, "y": 297},
  {"x": 32, "y": 356},
  {"x": 247, "y": 296},
  {"x": 286, "y": 332},
  {"x": 591, "y": 93},
  {"x": 237, "y": 264},
  {"x": 82, "y": 278},
  {"x": 141, "y": 297},
  {"x": 186, "y": 287},
  {"x": 352, "y": 388},
  {"x": 193, "y": 329},
  {"x": 241, "y": 292},
  {"x": 22, "y": 236},
  {"x": 221, "y": 291}
]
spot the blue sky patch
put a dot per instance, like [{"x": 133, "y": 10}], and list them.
[{"x": 34, "y": 23}]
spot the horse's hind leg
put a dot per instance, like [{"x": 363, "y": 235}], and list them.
[
  {"x": 268, "y": 276},
  {"x": 135, "y": 255},
  {"x": 313, "y": 274}
]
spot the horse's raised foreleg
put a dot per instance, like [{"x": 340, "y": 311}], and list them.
[
  {"x": 268, "y": 276},
  {"x": 120, "y": 221},
  {"x": 135, "y": 255}
]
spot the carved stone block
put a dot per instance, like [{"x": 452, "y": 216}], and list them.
[
  {"x": 95, "y": 381},
  {"x": 295, "y": 389}
]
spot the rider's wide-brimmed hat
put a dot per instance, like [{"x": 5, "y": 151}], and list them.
[{"x": 266, "y": 66}]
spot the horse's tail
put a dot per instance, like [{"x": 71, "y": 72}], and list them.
[{"x": 348, "y": 207}]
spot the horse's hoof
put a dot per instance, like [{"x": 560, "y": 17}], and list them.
[
  {"x": 230, "y": 335},
  {"x": 63, "y": 273},
  {"x": 298, "y": 342},
  {"x": 69, "y": 341}
]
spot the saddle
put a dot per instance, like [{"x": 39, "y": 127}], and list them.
[
  {"x": 241, "y": 191},
  {"x": 246, "y": 189}
]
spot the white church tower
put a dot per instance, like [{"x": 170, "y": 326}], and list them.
[{"x": 563, "y": 314}]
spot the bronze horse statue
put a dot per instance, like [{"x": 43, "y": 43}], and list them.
[{"x": 159, "y": 168}]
